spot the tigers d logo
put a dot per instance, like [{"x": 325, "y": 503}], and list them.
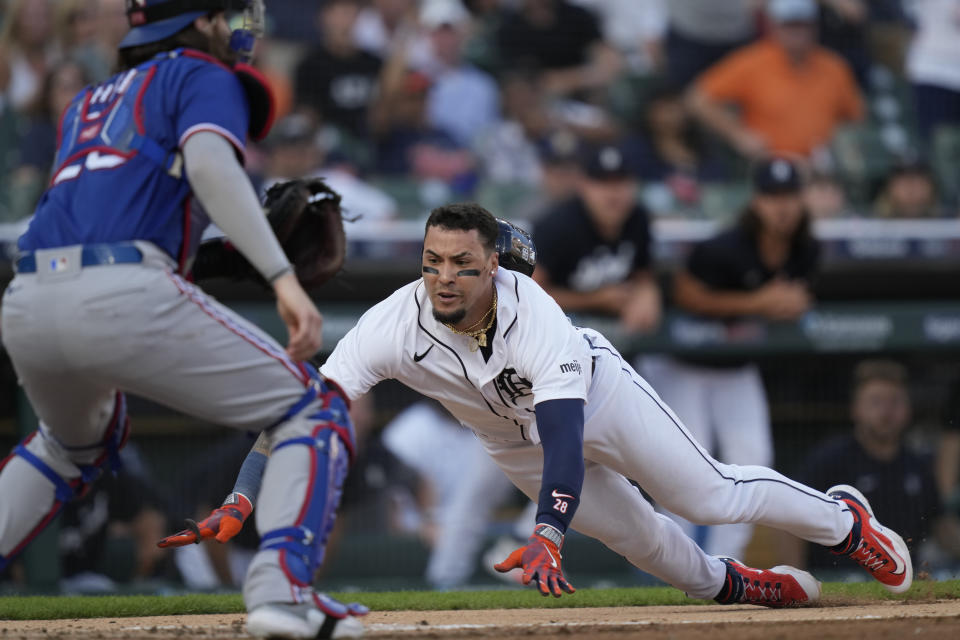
[{"x": 511, "y": 385}]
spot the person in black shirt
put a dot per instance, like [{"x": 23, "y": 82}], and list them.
[
  {"x": 594, "y": 250},
  {"x": 948, "y": 452},
  {"x": 561, "y": 41},
  {"x": 897, "y": 481},
  {"x": 336, "y": 81},
  {"x": 762, "y": 267}
]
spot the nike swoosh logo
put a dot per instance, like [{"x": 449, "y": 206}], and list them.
[
  {"x": 417, "y": 357},
  {"x": 552, "y": 560},
  {"x": 561, "y": 495},
  {"x": 901, "y": 566}
]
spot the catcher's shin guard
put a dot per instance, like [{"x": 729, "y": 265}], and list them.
[
  {"x": 40, "y": 464},
  {"x": 301, "y": 546}
]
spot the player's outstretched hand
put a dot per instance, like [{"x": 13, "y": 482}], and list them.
[
  {"x": 222, "y": 524},
  {"x": 540, "y": 560},
  {"x": 304, "y": 322}
]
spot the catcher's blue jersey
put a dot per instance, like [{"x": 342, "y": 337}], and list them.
[{"x": 117, "y": 175}]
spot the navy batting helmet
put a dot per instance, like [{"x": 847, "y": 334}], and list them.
[
  {"x": 516, "y": 248},
  {"x": 155, "y": 20}
]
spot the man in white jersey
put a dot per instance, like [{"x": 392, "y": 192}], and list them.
[{"x": 569, "y": 421}]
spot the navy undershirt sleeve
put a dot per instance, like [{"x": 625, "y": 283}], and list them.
[
  {"x": 560, "y": 423},
  {"x": 251, "y": 475}
]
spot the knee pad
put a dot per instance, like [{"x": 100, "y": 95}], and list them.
[
  {"x": 66, "y": 489},
  {"x": 302, "y": 545}
]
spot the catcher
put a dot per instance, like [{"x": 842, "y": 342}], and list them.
[{"x": 101, "y": 304}]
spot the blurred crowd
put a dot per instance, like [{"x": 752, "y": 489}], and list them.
[{"x": 405, "y": 104}]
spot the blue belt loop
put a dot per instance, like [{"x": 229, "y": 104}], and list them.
[{"x": 92, "y": 255}]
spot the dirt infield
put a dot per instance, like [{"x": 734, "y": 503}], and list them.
[{"x": 931, "y": 620}]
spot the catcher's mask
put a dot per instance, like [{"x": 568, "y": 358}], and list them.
[
  {"x": 155, "y": 20},
  {"x": 516, "y": 248}
]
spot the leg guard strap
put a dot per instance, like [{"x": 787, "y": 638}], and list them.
[
  {"x": 302, "y": 545},
  {"x": 309, "y": 395},
  {"x": 64, "y": 491},
  {"x": 334, "y": 407},
  {"x": 114, "y": 439}
]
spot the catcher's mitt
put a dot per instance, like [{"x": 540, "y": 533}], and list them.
[{"x": 305, "y": 215}]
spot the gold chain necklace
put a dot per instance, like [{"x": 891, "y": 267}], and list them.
[{"x": 479, "y": 335}]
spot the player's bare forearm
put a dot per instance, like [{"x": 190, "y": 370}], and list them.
[
  {"x": 644, "y": 307},
  {"x": 721, "y": 120},
  {"x": 947, "y": 466},
  {"x": 605, "y": 63},
  {"x": 570, "y": 300},
  {"x": 695, "y": 297}
]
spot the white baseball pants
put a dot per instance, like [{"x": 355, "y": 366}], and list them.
[
  {"x": 631, "y": 433},
  {"x": 725, "y": 409}
]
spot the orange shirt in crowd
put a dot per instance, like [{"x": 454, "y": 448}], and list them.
[{"x": 795, "y": 108}]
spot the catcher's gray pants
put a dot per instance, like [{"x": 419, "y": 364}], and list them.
[
  {"x": 630, "y": 432},
  {"x": 77, "y": 336}
]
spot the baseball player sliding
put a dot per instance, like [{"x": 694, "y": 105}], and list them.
[
  {"x": 99, "y": 307},
  {"x": 569, "y": 421}
]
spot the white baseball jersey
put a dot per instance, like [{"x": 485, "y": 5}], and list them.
[{"x": 538, "y": 355}]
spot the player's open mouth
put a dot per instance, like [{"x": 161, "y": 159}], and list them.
[{"x": 446, "y": 296}]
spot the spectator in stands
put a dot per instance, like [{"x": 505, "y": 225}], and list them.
[
  {"x": 408, "y": 146},
  {"x": 843, "y": 28},
  {"x": 113, "y": 26},
  {"x": 791, "y": 92},
  {"x": 670, "y": 148},
  {"x": 824, "y": 197},
  {"x": 761, "y": 267},
  {"x": 594, "y": 249},
  {"x": 947, "y": 467},
  {"x": 26, "y": 51},
  {"x": 387, "y": 25},
  {"x": 908, "y": 191},
  {"x": 700, "y": 33},
  {"x": 508, "y": 149},
  {"x": 38, "y": 136},
  {"x": 560, "y": 41},
  {"x": 77, "y": 26},
  {"x": 463, "y": 100},
  {"x": 293, "y": 151},
  {"x": 933, "y": 64},
  {"x": 560, "y": 158},
  {"x": 898, "y": 481},
  {"x": 336, "y": 81},
  {"x": 634, "y": 29}
]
